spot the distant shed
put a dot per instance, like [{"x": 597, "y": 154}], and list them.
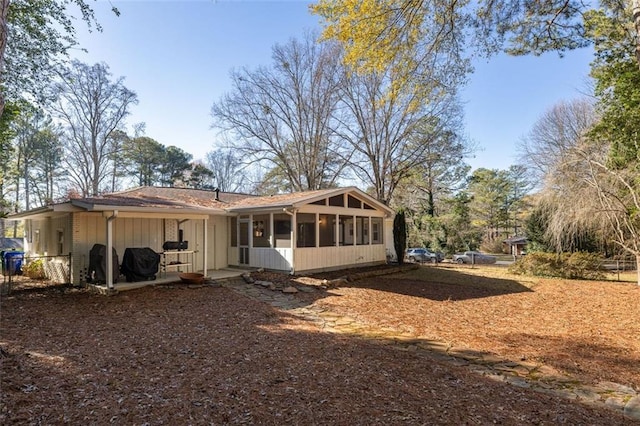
[{"x": 516, "y": 246}]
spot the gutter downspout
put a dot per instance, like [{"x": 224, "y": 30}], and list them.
[
  {"x": 293, "y": 238},
  {"x": 205, "y": 224},
  {"x": 109, "y": 266}
]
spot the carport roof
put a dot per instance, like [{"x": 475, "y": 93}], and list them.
[
  {"x": 148, "y": 199},
  {"x": 162, "y": 198}
]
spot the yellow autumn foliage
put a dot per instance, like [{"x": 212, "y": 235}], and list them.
[{"x": 413, "y": 41}]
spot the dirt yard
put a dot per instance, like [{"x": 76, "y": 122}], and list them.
[{"x": 179, "y": 355}]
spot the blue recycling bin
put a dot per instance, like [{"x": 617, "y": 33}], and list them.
[{"x": 12, "y": 262}]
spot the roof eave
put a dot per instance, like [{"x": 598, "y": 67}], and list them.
[{"x": 42, "y": 212}]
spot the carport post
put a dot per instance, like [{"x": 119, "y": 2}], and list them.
[
  {"x": 206, "y": 244},
  {"x": 109, "y": 265}
]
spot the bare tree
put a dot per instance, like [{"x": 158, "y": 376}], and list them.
[
  {"x": 282, "y": 115},
  {"x": 228, "y": 173},
  {"x": 589, "y": 193},
  {"x": 391, "y": 130},
  {"x": 554, "y": 134},
  {"x": 92, "y": 108}
]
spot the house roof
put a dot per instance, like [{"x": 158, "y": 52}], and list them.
[
  {"x": 516, "y": 240},
  {"x": 186, "y": 200}
]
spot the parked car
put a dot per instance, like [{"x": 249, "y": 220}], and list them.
[
  {"x": 473, "y": 257},
  {"x": 423, "y": 255}
]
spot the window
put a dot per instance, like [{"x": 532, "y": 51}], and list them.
[
  {"x": 327, "y": 230},
  {"x": 233, "y": 231},
  {"x": 60, "y": 241},
  {"x": 283, "y": 227},
  {"x": 243, "y": 236},
  {"x": 261, "y": 231},
  {"x": 362, "y": 230},
  {"x": 346, "y": 230},
  {"x": 306, "y": 229},
  {"x": 282, "y": 230},
  {"x": 337, "y": 201},
  {"x": 353, "y": 202},
  {"x": 376, "y": 230}
]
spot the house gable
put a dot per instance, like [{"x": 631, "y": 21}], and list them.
[{"x": 332, "y": 199}]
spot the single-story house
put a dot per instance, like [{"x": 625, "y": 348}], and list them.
[
  {"x": 516, "y": 245},
  {"x": 298, "y": 232}
]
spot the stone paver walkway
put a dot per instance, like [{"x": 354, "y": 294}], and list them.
[{"x": 525, "y": 374}]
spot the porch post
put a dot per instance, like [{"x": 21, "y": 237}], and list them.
[
  {"x": 272, "y": 233},
  {"x": 355, "y": 232},
  {"x": 109, "y": 266},
  {"x": 206, "y": 246},
  {"x": 294, "y": 239}
]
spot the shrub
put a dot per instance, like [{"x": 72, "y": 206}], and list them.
[
  {"x": 578, "y": 265},
  {"x": 492, "y": 246},
  {"x": 400, "y": 235},
  {"x": 34, "y": 269},
  {"x": 583, "y": 265}
]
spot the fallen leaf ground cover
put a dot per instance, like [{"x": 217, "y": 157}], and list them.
[
  {"x": 180, "y": 355},
  {"x": 585, "y": 328}
]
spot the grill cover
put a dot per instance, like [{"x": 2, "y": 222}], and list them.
[
  {"x": 140, "y": 264},
  {"x": 98, "y": 264},
  {"x": 175, "y": 245}
]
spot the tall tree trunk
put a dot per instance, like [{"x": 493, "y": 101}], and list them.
[
  {"x": 27, "y": 189},
  {"x": 4, "y": 9},
  {"x": 431, "y": 208},
  {"x": 636, "y": 21}
]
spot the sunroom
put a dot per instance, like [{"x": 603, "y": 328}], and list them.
[{"x": 308, "y": 231}]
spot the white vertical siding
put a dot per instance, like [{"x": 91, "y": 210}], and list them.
[
  {"x": 135, "y": 232},
  {"x": 271, "y": 258},
  {"x": 218, "y": 242},
  {"x": 193, "y": 232},
  {"x": 90, "y": 229},
  {"x": 233, "y": 256},
  {"x": 310, "y": 258}
]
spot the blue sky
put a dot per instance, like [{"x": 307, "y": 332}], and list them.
[{"x": 176, "y": 55}]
